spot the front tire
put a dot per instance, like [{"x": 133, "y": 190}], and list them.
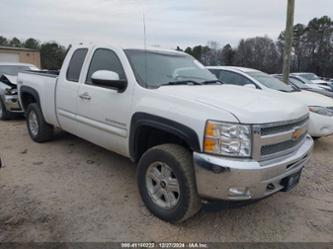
[
  {"x": 39, "y": 130},
  {"x": 166, "y": 182}
]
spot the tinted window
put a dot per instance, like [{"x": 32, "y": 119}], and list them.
[
  {"x": 75, "y": 65},
  {"x": 233, "y": 78},
  {"x": 105, "y": 59}
]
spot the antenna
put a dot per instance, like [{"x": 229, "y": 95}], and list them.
[{"x": 145, "y": 48}]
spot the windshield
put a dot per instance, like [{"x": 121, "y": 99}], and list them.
[
  {"x": 12, "y": 70},
  {"x": 298, "y": 83},
  {"x": 271, "y": 82},
  {"x": 310, "y": 76},
  {"x": 304, "y": 80},
  {"x": 153, "y": 69}
]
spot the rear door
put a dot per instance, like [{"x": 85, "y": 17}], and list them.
[
  {"x": 103, "y": 113},
  {"x": 67, "y": 89}
]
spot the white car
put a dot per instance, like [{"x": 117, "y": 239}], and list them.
[
  {"x": 9, "y": 103},
  {"x": 321, "y": 107},
  {"x": 193, "y": 138},
  {"x": 310, "y": 84},
  {"x": 315, "y": 80}
]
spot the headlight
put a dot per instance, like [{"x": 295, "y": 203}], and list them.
[
  {"x": 228, "y": 139},
  {"x": 321, "y": 110},
  {"x": 10, "y": 91}
]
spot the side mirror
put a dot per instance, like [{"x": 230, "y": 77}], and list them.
[
  {"x": 109, "y": 79},
  {"x": 250, "y": 86}
]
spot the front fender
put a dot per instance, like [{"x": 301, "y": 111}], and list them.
[{"x": 141, "y": 119}]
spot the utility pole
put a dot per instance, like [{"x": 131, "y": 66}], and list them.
[{"x": 289, "y": 33}]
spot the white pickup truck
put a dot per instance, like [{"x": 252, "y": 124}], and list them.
[{"x": 194, "y": 138}]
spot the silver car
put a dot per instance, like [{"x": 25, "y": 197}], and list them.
[{"x": 9, "y": 103}]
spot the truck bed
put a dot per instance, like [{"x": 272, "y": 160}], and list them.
[{"x": 44, "y": 84}]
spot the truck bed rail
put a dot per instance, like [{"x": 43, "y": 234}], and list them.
[{"x": 46, "y": 73}]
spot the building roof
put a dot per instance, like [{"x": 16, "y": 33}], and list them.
[{"x": 18, "y": 49}]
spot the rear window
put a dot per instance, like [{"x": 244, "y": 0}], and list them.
[{"x": 75, "y": 65}]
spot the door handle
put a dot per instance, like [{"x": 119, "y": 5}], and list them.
[{"x": 85, "y": 96}]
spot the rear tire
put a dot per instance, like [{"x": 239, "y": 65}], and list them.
[
  {"x": 173, "y": 197},
  {"x": 38, "y": 129},
  {"x": 4, "y": 115}
]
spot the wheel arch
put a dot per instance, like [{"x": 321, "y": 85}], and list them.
[
  {"x": 28, "y": 95},
  {"x": 145, "y": 131}
]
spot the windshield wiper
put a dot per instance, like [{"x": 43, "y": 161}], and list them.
[
  {"x": 181, "y": 82},
  {"x": 286, "y": 91},
  {"x": 209, "y": 82}
]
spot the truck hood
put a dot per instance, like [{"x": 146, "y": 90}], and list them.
[
  {"x": 312, "y": 99},
  {"x": 9, "y": 80},
  {"x": 249, "y": 106}
]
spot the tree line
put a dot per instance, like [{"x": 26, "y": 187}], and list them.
[
  {"x": 52, "y": 54},
  {"x": 312, "y": 50}
]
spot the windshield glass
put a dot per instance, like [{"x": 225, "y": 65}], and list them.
[
  {"x": 12, "y": 70},
  {"x": 298, "y": 83},
  {"x": 306, "y": 81},
  {"x": 270, "y": 82},
  {"x": 153, "y": 69},
  {"x": 310, "y": 76}
]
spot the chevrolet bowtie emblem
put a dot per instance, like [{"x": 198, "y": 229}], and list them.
[{"x": 297, "y": 133}]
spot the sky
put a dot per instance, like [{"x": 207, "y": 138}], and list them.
[{"x": 169, "y": 23}]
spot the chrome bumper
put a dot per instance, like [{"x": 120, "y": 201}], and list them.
[
  {"x": 12, "y": 104},
  {"x": 234, "y": 179}
]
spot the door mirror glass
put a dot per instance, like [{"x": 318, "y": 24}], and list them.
[
  {"x": 108, "y": 79},
  {"x": 250, "y": 86}
]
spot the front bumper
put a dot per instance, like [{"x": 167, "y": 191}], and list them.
[
  {"x": 231, "y": 179},
  {"x": 12, "y": 104},
  {"x": 320, "y": 125}
]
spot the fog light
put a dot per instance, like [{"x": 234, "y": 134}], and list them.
[{"x": 240, "y": 191}]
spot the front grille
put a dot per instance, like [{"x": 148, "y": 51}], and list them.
[
  {"x": 284, "y": 146},
  {"x": 278, "y": 139},
  {"x": 282, "y": 128}
]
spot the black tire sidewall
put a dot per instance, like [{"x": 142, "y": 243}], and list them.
[
  {"x": 4, "y": 111},
  {"x": 178, "y": 212}
]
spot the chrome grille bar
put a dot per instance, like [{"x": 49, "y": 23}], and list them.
[{"x": 277, "y": 139}]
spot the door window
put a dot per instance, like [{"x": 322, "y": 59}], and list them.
[
  {"x": 105, "y": 59},
  {"x": 233, "y": 78},
  {"x": 75, "y": 65}
]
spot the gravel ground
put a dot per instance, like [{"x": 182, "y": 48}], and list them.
[{"x": 72, "y": 190}]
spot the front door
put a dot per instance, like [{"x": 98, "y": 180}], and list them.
[
  {"x": 103, "y": 113},
  {"x": 67, "y": 91}
]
